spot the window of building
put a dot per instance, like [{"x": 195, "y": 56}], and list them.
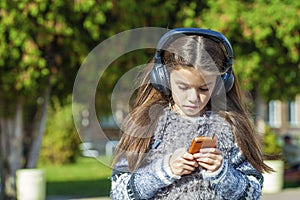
[
  {"x": 293, "y": 113},
  {"x": 274, "y": 113}
]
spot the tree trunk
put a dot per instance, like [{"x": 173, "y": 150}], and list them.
[
  {"x": 11, "y": 134},
  {"x": 37, "y": 140}
]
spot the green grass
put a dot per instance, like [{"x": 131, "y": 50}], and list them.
[{"x": 88, "y": 177}]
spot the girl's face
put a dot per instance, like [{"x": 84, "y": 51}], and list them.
[{"x": 191, "y": 90}]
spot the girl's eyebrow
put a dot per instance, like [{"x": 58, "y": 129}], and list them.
[
  {"x": 184, "y": 83},
  {"x": 181, "y": 82},
  {"x": 207, "y": 84}
]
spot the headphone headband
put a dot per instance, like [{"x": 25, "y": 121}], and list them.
[
  {"x": 174, "y": 34},
  {"x": 159, "y": 76}
]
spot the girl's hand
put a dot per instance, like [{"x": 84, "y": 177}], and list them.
[
  {"x": 181, "y": 162},
  {"x": 209, "y": 158}
]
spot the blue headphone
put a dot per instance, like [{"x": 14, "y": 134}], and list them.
[{"x": 160, "y": 77}]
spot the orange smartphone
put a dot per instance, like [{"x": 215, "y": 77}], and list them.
[{"x": 202, "y": 142}]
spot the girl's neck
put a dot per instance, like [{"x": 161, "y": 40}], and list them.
[{"x": 180, "y": 113}]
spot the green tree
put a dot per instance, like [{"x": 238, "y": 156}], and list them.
[
  {"x": 271, "y": 147},
  {"x": 60, "y": 143},
  {"x": 42, "y": 43}
]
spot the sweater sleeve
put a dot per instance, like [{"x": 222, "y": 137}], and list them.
[
  {"x": 236, "y": 179},
  {"x": 142, "y": 183}
]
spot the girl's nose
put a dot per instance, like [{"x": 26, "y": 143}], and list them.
[{"x": 193, "y": 96}]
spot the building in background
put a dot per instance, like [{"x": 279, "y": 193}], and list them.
[{"x": 284, "y": 117}]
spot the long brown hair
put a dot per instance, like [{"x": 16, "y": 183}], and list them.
[{"x": 202, "y": 54}]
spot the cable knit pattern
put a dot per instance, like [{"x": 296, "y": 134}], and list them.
[{"x": 235, "y": 179}]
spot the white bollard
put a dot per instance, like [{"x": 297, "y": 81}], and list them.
[
  {"x": 31, "y": 184},
  {"x": 273, "y": 182}
]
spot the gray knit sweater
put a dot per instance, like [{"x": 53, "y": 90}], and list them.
[{"x": 235, "y": 179}]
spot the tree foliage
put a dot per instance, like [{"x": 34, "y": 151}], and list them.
[
  {"x": 42, "y": 44},
  {"x": 276, "y": 37},
  {"x": 271, "y": 147},
  {"x": 60, "y": 143}
]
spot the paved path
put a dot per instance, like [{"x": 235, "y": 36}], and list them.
[{"x": 286, "y": 194}]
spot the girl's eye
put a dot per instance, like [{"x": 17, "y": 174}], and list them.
[
  {"x": 182, "y": 87},
  {"x": 204, "y": 89}
]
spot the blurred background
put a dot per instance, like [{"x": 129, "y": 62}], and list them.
[{"x": 44, "y": 42}]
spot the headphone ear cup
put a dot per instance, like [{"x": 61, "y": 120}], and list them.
[
  {"x": 224, "y": 83},
  {"x": 228, "y": 79},
  {"x": 160, "y": 79}
]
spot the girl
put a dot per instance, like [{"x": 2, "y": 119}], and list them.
[{"x": 188, "y": 90}]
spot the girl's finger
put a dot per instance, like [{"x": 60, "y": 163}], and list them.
[
  {"x": 188, "y": 156},
  {"x": 189, "y": 168},
  {"x": 210, "y": 150},
  {"x": 206, "y": 160},
  {"x": 193, "y": 163},
  {"x": 208, "y": 167}
]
